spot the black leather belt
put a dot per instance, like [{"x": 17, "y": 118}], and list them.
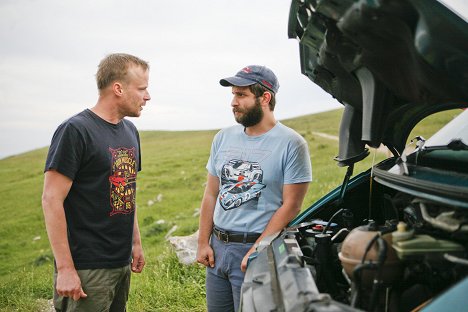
[{"x": 235, "y": 237}]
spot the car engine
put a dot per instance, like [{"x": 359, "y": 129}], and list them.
[{"x": 399, "y": 264}]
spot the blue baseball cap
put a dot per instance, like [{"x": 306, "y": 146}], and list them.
[{"x": 250, "y": 75}]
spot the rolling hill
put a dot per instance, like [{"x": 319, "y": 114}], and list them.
[{"x": 170, "y": 189}]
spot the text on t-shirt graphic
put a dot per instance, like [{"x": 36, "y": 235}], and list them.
[
  {"x": 241, "y": 182},
  {"x": 122, "y": 180}
]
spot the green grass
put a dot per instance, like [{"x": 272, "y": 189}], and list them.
[{"x": 173, "y": 171}]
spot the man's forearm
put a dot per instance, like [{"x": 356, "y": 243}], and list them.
[
  {"x": 56, "y": 226},
  {"x": 56, "y": 188},
  {"x": 293, "y": 197},
  {"x": 206, "y": 221},
  {"x": 207, "y": 209},
  {"x": 279, "y": 220},
  {"x": 205, "y": 253},
  {"x": 136, "y": 231}
]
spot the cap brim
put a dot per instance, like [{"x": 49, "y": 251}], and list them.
[{"x": 236, "y": 81}]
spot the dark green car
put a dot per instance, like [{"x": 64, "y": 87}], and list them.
[{"x": 393, "y": 238}]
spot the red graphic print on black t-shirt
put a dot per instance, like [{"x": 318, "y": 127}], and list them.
[{"x": 123, "y": 180}]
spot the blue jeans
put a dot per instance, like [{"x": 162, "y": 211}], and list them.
[{"x": 224, "y": 281}]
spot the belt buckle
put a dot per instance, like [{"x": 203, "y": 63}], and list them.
[{"x": 223, "y": 236}]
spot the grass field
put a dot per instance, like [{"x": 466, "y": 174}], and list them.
[{"x": 170, "y": 188}]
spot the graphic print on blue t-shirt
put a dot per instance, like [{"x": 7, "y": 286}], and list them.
[
  {"x": 241, "y": 183},
  {"x": 123, "y": 180}
]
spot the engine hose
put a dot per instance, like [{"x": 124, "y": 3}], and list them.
[
  {"x": 439, "y": 223},
  {"x": 325, "y": 229},
  {"x": 382, "y": 245},
  {"x": 368, "y": 247},
  {"x": 378, "y": 266},
  {"x": 456, "y": 260},
  {"x": 357, "y": 281}
]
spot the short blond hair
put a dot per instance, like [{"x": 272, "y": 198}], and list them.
[{"x": 114, "y": 67}]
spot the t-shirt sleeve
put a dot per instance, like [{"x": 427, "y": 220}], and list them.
[
  {"x": 66, "y": 150},
  {"x": 298, "y": 168},
  {"x": 211, "y": 166},
  {"x": 139, "y": 149}
]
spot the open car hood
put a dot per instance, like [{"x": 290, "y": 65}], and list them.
[{"x": 389, "y": 62}]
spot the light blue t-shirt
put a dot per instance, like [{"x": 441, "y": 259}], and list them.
[{"x": 252, "y": 171}]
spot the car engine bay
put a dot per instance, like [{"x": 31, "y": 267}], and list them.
[{"x": 397, "y": 258}]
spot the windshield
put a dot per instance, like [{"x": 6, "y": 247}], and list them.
[
  {"x": 457, "y": 129},
  {"x": 459, "y": 7}
]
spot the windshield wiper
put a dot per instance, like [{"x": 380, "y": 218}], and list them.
[{"x": 454, "y": 145}]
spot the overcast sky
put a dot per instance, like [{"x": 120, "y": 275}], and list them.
[{"x": 50, "y": 50}]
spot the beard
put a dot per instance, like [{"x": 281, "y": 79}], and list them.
[{"x": 251, "y": 116}]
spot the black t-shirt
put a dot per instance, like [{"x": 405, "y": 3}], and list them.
[{"x": 102, "y": 159}]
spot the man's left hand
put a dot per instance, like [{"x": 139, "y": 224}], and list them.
[{"x": 246, "y": 258}]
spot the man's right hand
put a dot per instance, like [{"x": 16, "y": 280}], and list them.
[
  {"x": 69, "y": 284},
  {"x": 205, "y": 255}
]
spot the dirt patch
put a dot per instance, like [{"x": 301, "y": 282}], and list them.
[{"x": 46, "y": 305}]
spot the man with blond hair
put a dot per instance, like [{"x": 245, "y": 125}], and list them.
[{"x": 90, "y": 191}]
